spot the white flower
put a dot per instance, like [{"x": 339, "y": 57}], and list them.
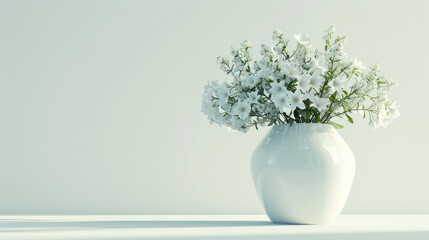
[
  {"x": 269, "y": 108},
  {"x": 238, "y": 124},
  {"x": 329, "y": 33},
  {"x": 394, "y": 112},
  {"x": 222, "y": 93},
  {"x": 213, "y": 114},
  {"x": 316, "y": 80},
  {"x": 358, "y": 65},
  {"x": 375, "y": 123},
  {"x": 276, "y": 34},
  {"x": 295, "y": 100},
  {"x": 242, "y": 109},
  {"x": 250, "y": 81},
  {"x": 290, "y": 70},
  {"x": 379, "y": 101},
  {"x": 264, "y": 73},
  {"x": 383, "y": 121},
  {"x": 246, "y": 44},
  {"x": 253, "y": 97},
  {"x": 337, "y": 85},
  {"x": 303, "y": 39},
  {"x": 242, "y": 102},
  {"x": 304, "y": 83},
  {"x": 385, "y": 116},
  {"x": 320, "y": 103},
  {"x": 267, "y": 52},
  {"x": 281, "y": 101},
  {"x": 278, "y": 88},
  {"x": 226, "y": 107},
  {"x": 318, "y": 65}
]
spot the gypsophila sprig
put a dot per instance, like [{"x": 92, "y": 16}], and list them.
[{"x": 303, "y": 85}]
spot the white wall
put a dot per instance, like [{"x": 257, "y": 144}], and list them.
[{"x": 100, "y": 101}]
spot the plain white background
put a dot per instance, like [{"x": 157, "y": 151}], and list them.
[{"x": 100, "y": 104}]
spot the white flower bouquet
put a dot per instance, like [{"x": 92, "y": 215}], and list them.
[{"x": 304, "y": 85}]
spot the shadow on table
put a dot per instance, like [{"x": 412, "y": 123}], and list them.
[
  {"x": 37, "y": 226},
  {"x": 423, "y": 235},
  {"x": 7, "y": 224}
]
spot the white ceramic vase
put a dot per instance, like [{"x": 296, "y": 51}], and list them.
[{"x": 303, "y": 173}]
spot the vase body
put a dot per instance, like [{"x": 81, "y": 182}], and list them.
[{"x": 303, "y": 173}]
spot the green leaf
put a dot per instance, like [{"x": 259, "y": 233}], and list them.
[
  {"x": 308, "y": 115},
  {"x": 271, "y": 122},
  {"x": 332, "y": 97},
  {"x": 335, "y": 125},
  {"x": 317, "y": 119},
  {"x": 301, "y": 112},
  {"x": 313, "y": 110},
  {"x": 296, "y": 114},
  {"x": 349, "y": 118}
]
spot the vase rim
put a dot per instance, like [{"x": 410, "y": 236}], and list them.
[
  {"x": 283, "y": 124},
  {"x": 305, "y": 126}
]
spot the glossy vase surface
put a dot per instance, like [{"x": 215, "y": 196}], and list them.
[{"x": 303, "y": 173}]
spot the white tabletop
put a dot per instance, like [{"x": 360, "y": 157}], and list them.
[{"x": 347, "y": 227}]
